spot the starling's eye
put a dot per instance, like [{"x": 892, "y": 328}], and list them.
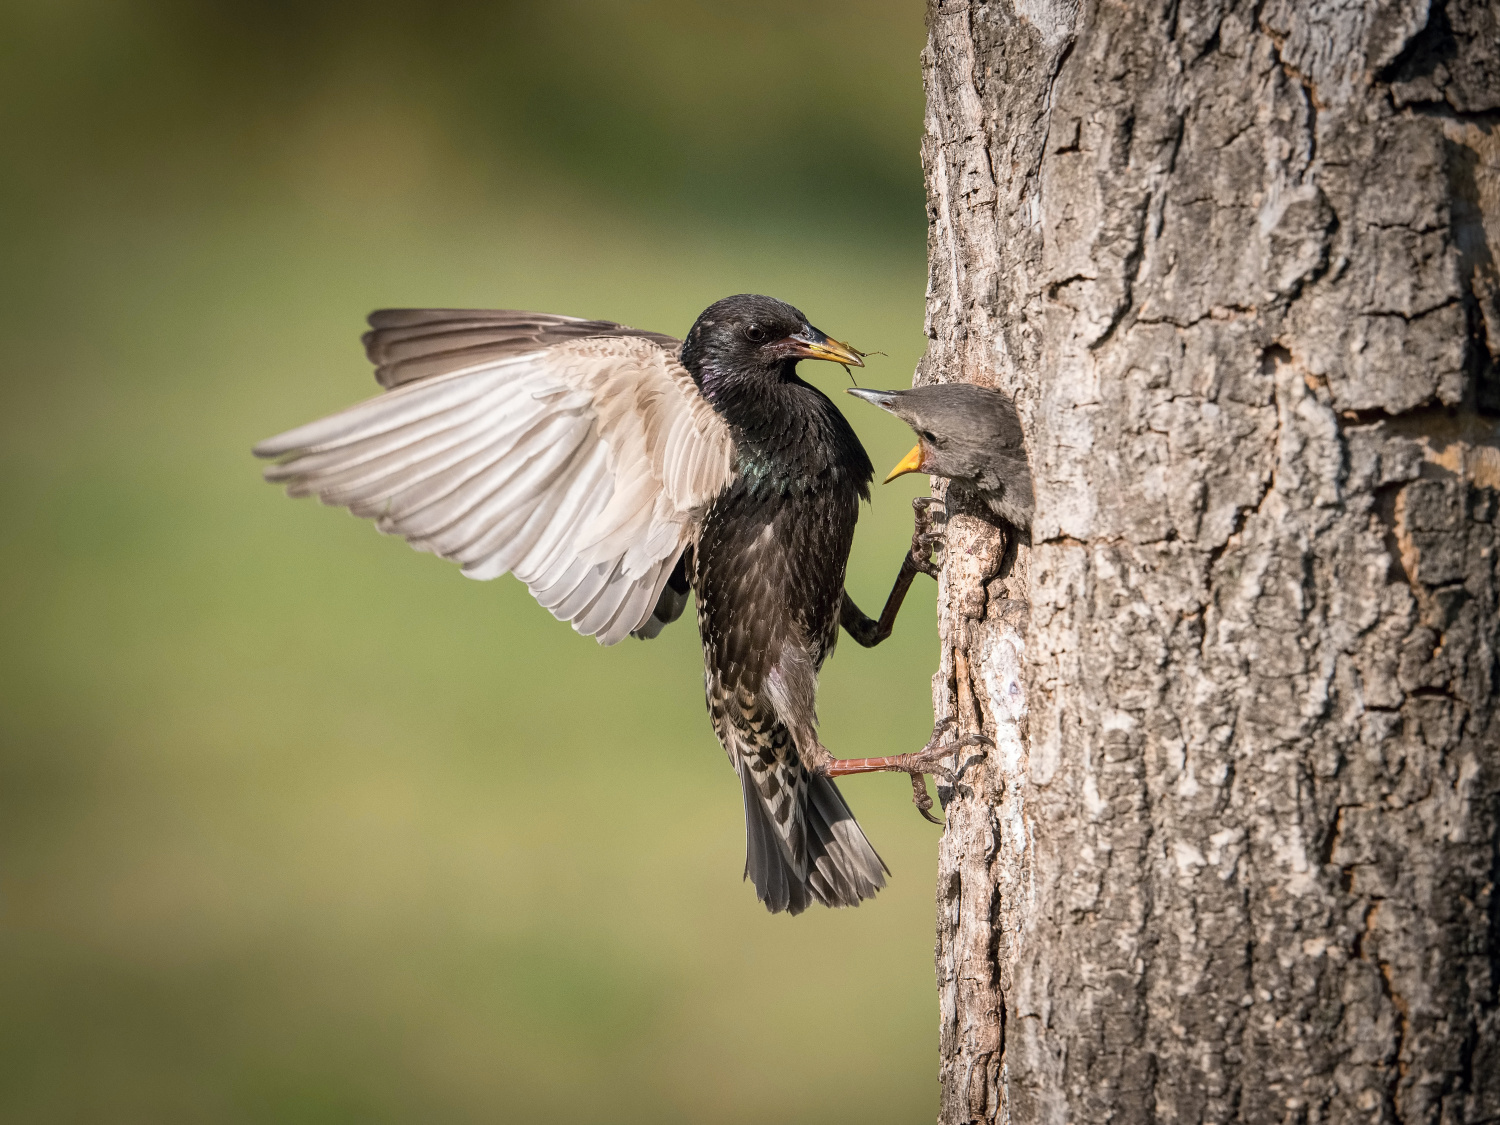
[
  {"x": 755, "y": 334},
  {"x": 929, "y": 437}
]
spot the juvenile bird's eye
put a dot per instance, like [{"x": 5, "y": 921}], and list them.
[
  {"x": 755, "y": 334},
  {"x": 929, "y": 437}
]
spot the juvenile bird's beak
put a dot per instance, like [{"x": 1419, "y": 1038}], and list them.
[
  {"x": 911, "y": 463},
  {"x": 882, "y": 399},
  {"x": 812, "y": 344}
]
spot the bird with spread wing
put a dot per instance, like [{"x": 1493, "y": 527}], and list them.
[{"x": 614, "y": 470}]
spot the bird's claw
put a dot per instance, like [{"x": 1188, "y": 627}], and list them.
[
  {"x": 941, "y": 727},
  {"x": 948, "y": 777},
  {"x": 925, "y": 538},
  {"x": 930, "y": 760},
  {"x": 922, "y": 800}
]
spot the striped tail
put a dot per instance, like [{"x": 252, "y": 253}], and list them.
[{"x": 802, "y": 844}]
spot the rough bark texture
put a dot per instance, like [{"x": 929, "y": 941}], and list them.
[{"x": 1234, "y": 856}]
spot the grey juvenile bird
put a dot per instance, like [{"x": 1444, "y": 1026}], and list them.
[
  {"x": 968, "y": 434},
  {"x": 612, "y": 470}
]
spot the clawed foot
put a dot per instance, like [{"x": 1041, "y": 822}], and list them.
[
  {"x": 929, "y": 760},
  {"x": 925, "y": 537}
]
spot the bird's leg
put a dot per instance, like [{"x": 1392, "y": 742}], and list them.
[
  {"x": 869, "y": 632},
  {"x": 924, "y": 538},
  {"x": 929, "y": 759}
]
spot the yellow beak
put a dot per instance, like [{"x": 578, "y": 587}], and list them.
[
  {"x": 832, "y": 349},
  {"x": 911, "y": 463},
  {"x": 812, "y": 344}
]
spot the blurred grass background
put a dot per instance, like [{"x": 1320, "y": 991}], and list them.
[{"x": 297, "y": 825}]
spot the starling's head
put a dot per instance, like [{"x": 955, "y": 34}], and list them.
[
  {"x": 961, "y": 428},
  {"x": 749, "y": 338}
]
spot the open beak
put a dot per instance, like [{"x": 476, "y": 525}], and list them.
[
  {"x": 911, "y": 463},
  {"x": 812, "y": 344}
]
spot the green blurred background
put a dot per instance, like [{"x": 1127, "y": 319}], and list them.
[{"x": 297, "y": 825}]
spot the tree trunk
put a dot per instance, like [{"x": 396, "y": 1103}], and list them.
[{"x": 1233, "y": 857}]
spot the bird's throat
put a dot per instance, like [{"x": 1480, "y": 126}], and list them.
[{"x": 789, "y": 437}]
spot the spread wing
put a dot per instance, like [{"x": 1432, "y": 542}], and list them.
[{"x": 576, "y": 454}]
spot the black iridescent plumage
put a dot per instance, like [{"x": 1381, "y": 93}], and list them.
[
  {"x": 768, "y": 571},
  {"x": 611, "y": 472}
]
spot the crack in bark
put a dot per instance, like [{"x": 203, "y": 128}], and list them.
[
  {"x": 1397, "y": 1001},
  {"x": 1130, "y": 268}
]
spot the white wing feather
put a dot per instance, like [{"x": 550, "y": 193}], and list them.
[{"x": 585, "y": 468}]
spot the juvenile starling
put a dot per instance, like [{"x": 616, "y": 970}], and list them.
[
  {"x": 969, "y": 434},
  {"x": 612, "y": 470}
]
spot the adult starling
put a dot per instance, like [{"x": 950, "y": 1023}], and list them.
[
  {"x": 611, "y": 470},
  {"x": 969, "y": 434}
]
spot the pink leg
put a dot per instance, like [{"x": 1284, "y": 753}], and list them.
[
  {"x": 927, "y": 760},
  {"x": 897, "y": 763}
]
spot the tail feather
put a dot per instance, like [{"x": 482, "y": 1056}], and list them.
[
  {"x": 777, "y": 883},
  {"x": 839, "y": 867},
  {"x": 844, "y": 859}
]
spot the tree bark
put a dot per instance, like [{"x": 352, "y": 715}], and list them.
[{"x": 1233, "y": 857}]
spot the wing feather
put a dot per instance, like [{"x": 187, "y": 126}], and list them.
[
  {"x": 573, "y": 511},
  {"x": 576, "y": 454},
  {"x": 467, "y": 488},
  {"x": 578, "y": 601},
  {"x": 411, "y": 344},
  {"x": 389, "y": 411},
  {"x": 577, "y": 587},
  {"x": 531, "y": 540},
  {"x": 427, "y": 441},
  {"x": 636, "y": 609},
  {"x": 513, "y": 484},
  {"x": 601, "y": 611}
]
